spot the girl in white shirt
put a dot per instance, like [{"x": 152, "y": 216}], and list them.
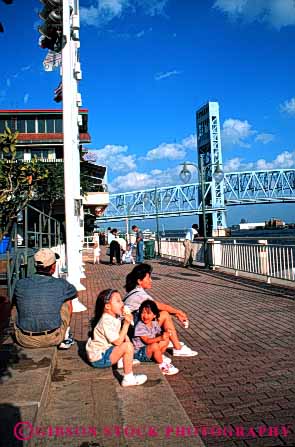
[{"x": 108, "y": 342}]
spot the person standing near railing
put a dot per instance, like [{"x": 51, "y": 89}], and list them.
[
  {"x": 189, "y": 249},
  {"x": 139, "y": 244}
]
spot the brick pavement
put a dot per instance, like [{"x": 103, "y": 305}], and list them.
[{"x": 244, "y": 375}]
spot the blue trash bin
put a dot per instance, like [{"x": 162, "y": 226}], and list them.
[{"x": 4, "y": 244}]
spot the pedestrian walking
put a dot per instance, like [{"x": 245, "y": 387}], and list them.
[{"x": 189, "y": 248}]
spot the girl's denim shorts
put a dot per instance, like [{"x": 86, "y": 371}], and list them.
[{"x": 104, "y": 362}]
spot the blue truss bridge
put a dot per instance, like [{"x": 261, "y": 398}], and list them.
[{"x": 239, "y": 188}]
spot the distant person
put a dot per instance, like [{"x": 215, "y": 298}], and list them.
[
  {"x": 127, "y": 257},
  {"x": 96, "y": 248},
  {"x": 189, "y": 248},
  {"x": 109, "y": 342},
  {"x": 44, "y": 306},
  {"x": 115, "y": 248},
  {"x": 110, "y": 236},
  {"x": 149, "y": 340},
  {"x": 139, "y": 244}
]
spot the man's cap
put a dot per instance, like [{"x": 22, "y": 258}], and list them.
[{"x": 45, "y": 257}]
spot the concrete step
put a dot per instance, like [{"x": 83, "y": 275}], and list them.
[
  {"x": 88, "y": 407},
  {"x": 25, "y": 376}
]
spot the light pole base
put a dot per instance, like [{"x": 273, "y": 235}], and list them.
[{"x": 76, "y": 283}]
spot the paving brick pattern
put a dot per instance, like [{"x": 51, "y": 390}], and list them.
[{"x": 240, "y": 390}]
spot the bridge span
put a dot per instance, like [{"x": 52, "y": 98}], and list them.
[{"x": 239, "y": 188}]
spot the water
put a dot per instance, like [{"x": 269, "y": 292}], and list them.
[{"x": 262, "y": 233}]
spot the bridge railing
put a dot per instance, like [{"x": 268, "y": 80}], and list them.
[{"x": 271, "y": 259}]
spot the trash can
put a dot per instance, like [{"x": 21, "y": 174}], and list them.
[
  {"x": 149, "y": 249},
  {"x": 4, "y": 244}
]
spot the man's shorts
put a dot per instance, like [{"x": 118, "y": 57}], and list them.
[
  {"x": 104, "y": 362},
  {"x": 52, "y": 339},
  {"x": 141, "y": 355}
]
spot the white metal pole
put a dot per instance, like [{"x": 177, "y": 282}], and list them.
[{"x": 71, "y": 170}]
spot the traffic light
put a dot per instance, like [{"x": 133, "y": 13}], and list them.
[
  {"x": 51, "y": 30},
  {"x": 7, "y": 2}
]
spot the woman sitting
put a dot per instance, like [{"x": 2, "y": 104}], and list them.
[{"x": 137, "y": 281}]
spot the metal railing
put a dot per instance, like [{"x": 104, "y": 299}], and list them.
[
  {"x": 269, "y": 258},
  {"x": 272, "y": 258},
  {"x": 36, "y": 230}
]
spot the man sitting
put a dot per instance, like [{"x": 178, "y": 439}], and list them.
[{"x": 44, "y": 306}]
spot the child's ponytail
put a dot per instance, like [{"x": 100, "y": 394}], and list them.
[{"x": 102, "y": 299}]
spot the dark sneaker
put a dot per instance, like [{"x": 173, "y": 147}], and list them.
[{"x": 66, "y": 344}]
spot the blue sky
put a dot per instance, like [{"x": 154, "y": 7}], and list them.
[{"x": 149, "y": 64}]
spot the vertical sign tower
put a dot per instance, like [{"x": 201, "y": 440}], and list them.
[{"x": 209, "y": 146}]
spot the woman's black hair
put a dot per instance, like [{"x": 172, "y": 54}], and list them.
[
  {"x": 102, "y": 299},
  {"x": 139, "y": 272},
  {"x": 149, "y": 304}
]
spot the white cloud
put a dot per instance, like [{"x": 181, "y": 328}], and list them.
[
  {"x": 167, "y": 74},
  {"x": 172, "y": 151},
  {"x": 288, "y": 107},
  {"x": 113, "y": 156},
  {"x": 233, "y": 165},
  {"x": 284, "y": 160},
  {"x": 100, "y": 12},
  {"x": 140, "y": 34},
  {"x": 190, "y": 142},
  {"x": 134, "y": 181},
  {"x": 264, "y": 138},
  {"x": 235, "y": 132},
  {"x": 277, "y": 13},
  {"x": 168, "y": 151},
  {"x": 26, "y": 68},
  {"x": 26, "y": 98}
]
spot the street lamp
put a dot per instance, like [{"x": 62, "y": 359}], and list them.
[
  {"x": 146, "y": 200},
  {"x": 186, "y": 176},
  {"x": 125, "y": 208}
]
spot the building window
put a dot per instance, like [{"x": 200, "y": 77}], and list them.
[
  {"x": 19, "y": 155},
  {"x": 31, "y": 126},
  {"x": 2, "y": 125},
  {"x": 39, "y": 153},
  {"x": 41, "y": 126},
  {"x": 50, "y": 126},
  {"x": 21, "y": 125},
  {"x": 58, "y": 125}
]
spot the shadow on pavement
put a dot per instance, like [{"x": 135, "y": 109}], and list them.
[{"x": 10, "y": 418}]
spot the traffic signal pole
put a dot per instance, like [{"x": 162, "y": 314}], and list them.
[{"x": 71, "y": 154}]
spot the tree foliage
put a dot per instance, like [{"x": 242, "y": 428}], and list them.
[
  {"x": 22, "y": 182},
  {"x": 19, "y": 181}
]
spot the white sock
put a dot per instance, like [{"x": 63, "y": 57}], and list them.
[
  {"x": 128, "y": 376},
  {"x": 67, "y": 334},
  {"x": 163, "y": 365}
]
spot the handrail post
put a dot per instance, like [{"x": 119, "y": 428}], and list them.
[
  {"x": 236, "y": 258},
  {"x": 263, "y": 256}
]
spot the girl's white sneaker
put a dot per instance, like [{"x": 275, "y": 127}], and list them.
[
  {"x": 120, "y": 363},
  {"x": 136, "y": 379},
  {"x": 168, "y": 370},
  {"x": 166, "y": 359},
  {"x": 185, "y": 351}
]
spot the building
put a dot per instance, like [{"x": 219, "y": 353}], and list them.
[{"x": 41, "y": 136}]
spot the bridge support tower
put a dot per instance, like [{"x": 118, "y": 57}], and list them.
[{"x": 209, "y": 146}]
